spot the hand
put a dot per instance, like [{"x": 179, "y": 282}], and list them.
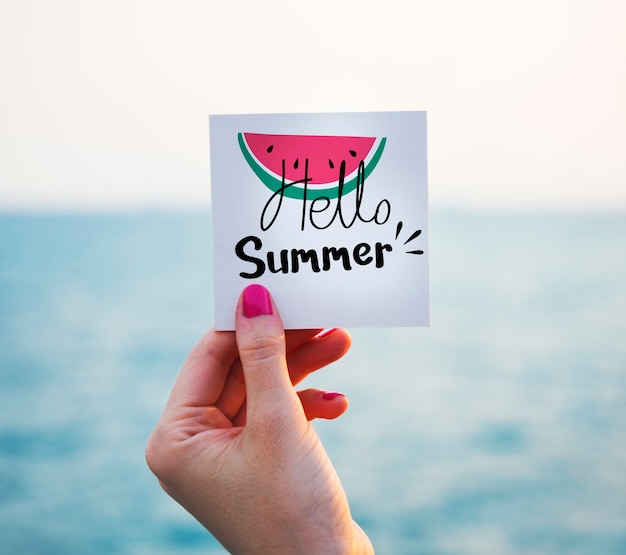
[{"x": 234, "y": 445}]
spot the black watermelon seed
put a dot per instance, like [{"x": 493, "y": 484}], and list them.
[
  {"x": 295, "y": 164},
  {"x": 270, "y": 148},
  {"x": 330, "y": 163},
  {"x": 352, "y": 153}
]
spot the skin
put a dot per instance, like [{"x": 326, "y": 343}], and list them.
[{"x": 235, "y": 447}]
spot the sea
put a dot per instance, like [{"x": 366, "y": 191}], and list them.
[{"x": 499, "y": 430}]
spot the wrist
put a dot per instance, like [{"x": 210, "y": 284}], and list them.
[{"x": 353, "y": 542}]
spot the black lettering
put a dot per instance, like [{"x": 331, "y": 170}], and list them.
[
  {"x": 342, "y": 176},
  {"x": 386, "y": 204},
  {"x": 380, "y": 249},
  {"x": 337, "y": 254},
  {"x": 306, "y": 186},
  {"x": 361, "y": 250},
  {"x": 280, "y": 194},
  {"x": 380, "y": 216},
  {"x": 315, "y": 210},
  {"x": 284, "y": 262},
  {"x": 239, "y": 251},
  {"x": 306, "y": 256}
]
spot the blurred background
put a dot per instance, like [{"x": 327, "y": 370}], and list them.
[{"x": 499, "y": 430}]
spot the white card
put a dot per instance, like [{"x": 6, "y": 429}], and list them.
[{"x": 328, "y": 211}]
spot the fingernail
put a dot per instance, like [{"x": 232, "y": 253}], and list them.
[
  {"x": 326, "y": 332},
  {"x": 330, "y": 395},
  {"x": 256, "y": 301}
]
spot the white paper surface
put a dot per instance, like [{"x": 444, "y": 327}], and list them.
[{"x": 370, "y": 243}]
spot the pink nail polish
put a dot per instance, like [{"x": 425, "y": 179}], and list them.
[
  {"x": 256, "y": 301},
  {"x": 330, "y": 395}
]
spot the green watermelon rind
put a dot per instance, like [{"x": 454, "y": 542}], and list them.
[{"x": 275, "y": 184}]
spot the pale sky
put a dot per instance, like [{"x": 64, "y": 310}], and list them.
[{"x": 104, "y": 104}]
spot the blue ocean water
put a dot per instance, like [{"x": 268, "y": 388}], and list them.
[{"x": 500, "y": 430}]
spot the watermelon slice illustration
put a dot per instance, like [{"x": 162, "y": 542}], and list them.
[{"x": 318, "y": 158}]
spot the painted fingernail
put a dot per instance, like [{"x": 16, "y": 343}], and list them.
[
  {"x": 256, "y": 301},
  {"x": 330, "y": 395},
  {"x": 326, "y": 332}
]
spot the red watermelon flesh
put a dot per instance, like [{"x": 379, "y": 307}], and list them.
[{"x": 324, "y": 155}]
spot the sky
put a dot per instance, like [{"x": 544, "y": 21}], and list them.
[{"x": 104, "y": 104}]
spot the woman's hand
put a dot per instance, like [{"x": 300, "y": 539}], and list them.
[{"x": 234, "y": 445}]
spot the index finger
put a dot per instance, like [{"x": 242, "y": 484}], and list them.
[
  {"x": 202, "y": 376},
  {"x": 296, "y": 338}
]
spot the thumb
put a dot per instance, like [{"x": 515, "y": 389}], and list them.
[{"x": 270, "y": 397}]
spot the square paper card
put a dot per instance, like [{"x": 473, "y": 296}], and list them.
[{"x": 328, "y": 211}]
